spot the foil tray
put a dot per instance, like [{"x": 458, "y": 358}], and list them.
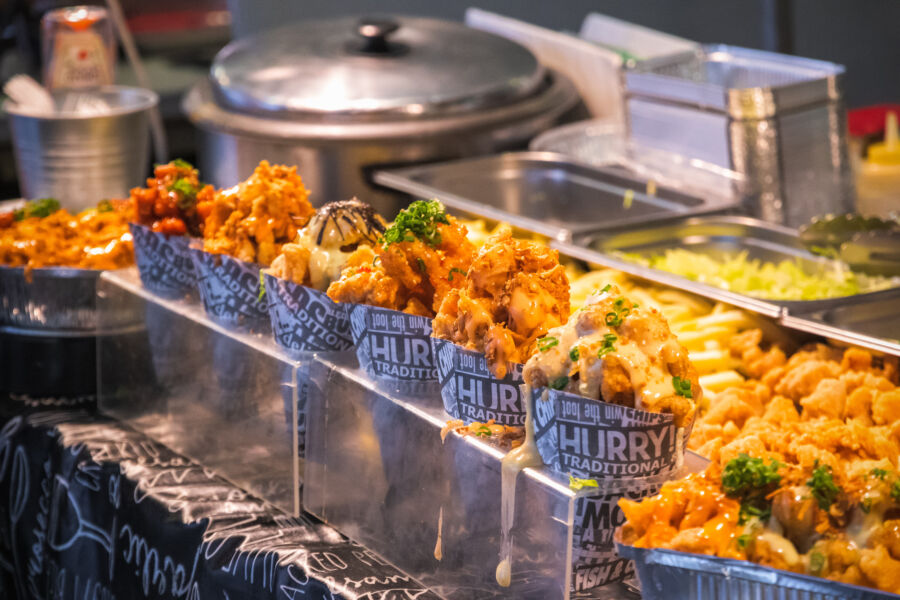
[
  {"x": 716, "y": 234},
  {"x": 60, "y": 298},
  {"x": 549, "y": 194},
  {"x": 671, "y": 575}
]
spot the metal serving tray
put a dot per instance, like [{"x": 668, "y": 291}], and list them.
[
  {"x": 547, "y": 193},
  {"x": 744, "y": 83},
  {"x": 874, "y": 324},
  {"x": 671, "y": 575},
  {"x": 715, "y": 234}
]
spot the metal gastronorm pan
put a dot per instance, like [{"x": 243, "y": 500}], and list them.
[
  {"x": 874, "y": 324},
  {"x": 548, "y": 193},
  {"x": 714, "y": 234}
]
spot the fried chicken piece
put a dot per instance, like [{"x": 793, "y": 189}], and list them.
[
  {"x": 886, "y": 407},
  {"x": 856, "y": 359},
  {"x": 851, "y": 575},
  {"x": 756, "y": 362},
  {"x": 810, "y": 455},
  {"x": 494, "y": 264},
  {"x": 814, "y": 352},
  {"x": 870, "y": 442},
  {"x": 169, "y": 202},
  {"x": 515, "y": 290},
  {"x": 737, "y": 404},
  {"x": 425, "y": 270},
  {"x": 292, "y": 264},
  {"x": 858, "y": 404},
  {"x": 614, "y": 350},
  {"x": 364, "y": 281},
  {"x": 827, "y": 400},
  {"x": 693, "y": 540},
  {"x": 420, "y": 259},
  {"x": 878, "y": 566},
  {"x": 252, "y": 220},
  {"x": 888, "y": 535},
  {"x": 745, "y": 342},
  {"x": 615, "y": 384},
  {"x": 874, "y": 380},
  {"x": 758, "y": 366},
  {"x": 710, "y": 447},
  {"x": 781, "y": 410},
  {"x": 802, "y": 377},
  {"x": 840, "y": 556},
  {"x": 730, "y": 406},
  {"x": 745, "y": 444},
  {"x": 773, "y": 377}
]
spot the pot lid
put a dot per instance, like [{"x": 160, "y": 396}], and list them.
[{"x": 402, "y": 66}]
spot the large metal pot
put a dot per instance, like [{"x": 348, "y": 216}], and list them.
[{"x": 343, "y": 97}]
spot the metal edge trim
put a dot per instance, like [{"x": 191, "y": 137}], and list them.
[
  {"x": 808, "y": 325},
  {"x": 813, "y": 64}
]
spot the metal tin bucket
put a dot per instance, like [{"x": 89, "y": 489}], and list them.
[{"x": 81, "y": 160}]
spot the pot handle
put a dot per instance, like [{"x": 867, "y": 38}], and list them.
[{"x": 373, "y": 34}]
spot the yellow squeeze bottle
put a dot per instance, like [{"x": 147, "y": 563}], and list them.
[{"x": 878, "y": 182}]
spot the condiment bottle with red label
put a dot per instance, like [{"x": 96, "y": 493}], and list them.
[{"x": 79, "y": 47}]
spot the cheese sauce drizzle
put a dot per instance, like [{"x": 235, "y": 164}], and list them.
[
  {"x": 438, "y": 550},
  {"x": 516, "y": 460}
]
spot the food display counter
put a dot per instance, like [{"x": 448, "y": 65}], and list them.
[
  {"x": 589, "y": 370},
  {"x": 430, "y": 503}
]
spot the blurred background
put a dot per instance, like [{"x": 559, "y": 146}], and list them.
[{"x": 179, "y": 39}]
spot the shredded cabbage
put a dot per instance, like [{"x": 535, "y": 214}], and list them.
[{"x": 786, "y": 280}]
